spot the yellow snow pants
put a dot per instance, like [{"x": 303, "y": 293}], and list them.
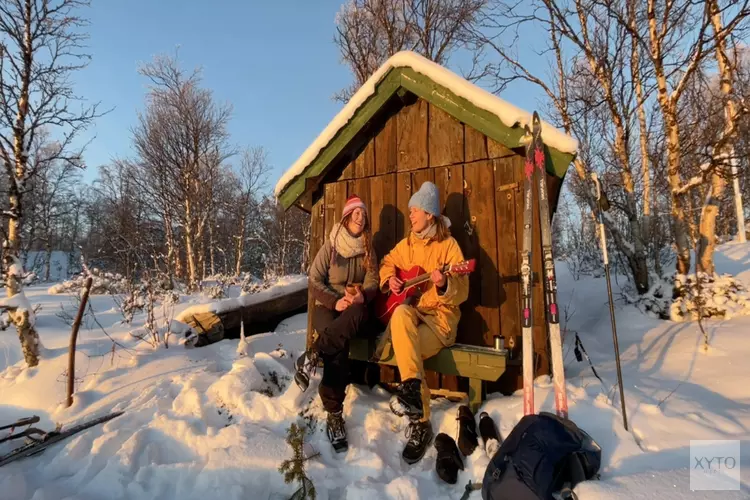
[{"x": 413, "y": 341}]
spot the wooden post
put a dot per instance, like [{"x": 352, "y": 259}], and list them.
[{"x": 74, "y": 337}]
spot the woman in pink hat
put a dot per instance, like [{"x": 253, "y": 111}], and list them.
[{"x": 343, "y": 280}]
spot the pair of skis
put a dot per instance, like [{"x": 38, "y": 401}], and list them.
[
  {"x": 534, "y": 171},
  {"x": 47, "y": 439}
]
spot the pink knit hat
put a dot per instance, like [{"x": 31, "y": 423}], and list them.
[{"x": 353, "y": 202}]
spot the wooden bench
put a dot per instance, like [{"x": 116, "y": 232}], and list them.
[{"x": 476, "y": 363}]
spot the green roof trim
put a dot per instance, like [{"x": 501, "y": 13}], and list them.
[{"x": 421, "y": 85}]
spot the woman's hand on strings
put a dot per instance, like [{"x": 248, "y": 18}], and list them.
[{"x": 438, "y": 278}]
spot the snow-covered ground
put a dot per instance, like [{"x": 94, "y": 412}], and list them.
[{"x": 211, "y": 423}]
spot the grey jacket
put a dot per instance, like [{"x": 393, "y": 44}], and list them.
[{"x": 329, "y": 278}]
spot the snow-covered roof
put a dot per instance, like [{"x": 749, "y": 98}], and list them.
[{"x": 509, "y": 114}]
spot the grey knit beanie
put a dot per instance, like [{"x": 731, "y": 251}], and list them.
[{"x": 427, "y": 199}]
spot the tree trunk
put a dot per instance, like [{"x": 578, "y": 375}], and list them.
[
  {"x": 13, "y": 285},
  {"x": 635, "y": 65},
  {"x": 74, "y": 236},
  {"x": 47, "y": 259},
  {"x": 189, "y": 247},
  {"x": 192, "y": 269},
  {"x": 240, "y": 247},
  {"x": 211, "y": 245},
  {"x": 20, "y": 317},
  {"x": 173, "y": 259},
  {"x": 179, "y": 263},
  {"x": 707, "y": 242},
  {"x": 678, "y": 212},
  {"x": 200, "y": 237},
  {"x": 226, "y": 263}
]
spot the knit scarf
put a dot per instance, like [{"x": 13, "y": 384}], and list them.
[
  {"x": 431, "y": 231},
  {"x": 344, "y": 243},
  {"x": 427, "y": 233}
]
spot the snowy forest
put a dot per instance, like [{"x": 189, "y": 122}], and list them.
[{"x": 657, "y": 94}]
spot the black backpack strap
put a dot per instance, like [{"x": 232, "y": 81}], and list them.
[
  {"x": 575, "y": 469},
  {"x": 575, "y": 475},
  {"x": 567, "y": 493}
]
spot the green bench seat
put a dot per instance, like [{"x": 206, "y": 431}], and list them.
[{"x": 476, "y": 363}]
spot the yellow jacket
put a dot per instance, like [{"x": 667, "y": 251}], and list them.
[{"x": 439, "y": 311}]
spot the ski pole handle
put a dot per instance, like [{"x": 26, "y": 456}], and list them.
[
  {"x": 605, "y": 256},
  {"x": 598, "y": 187},
  {"x": 601, "y": 196}
]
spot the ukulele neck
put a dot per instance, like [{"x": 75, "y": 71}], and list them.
[{"x": 421, "y": 279}]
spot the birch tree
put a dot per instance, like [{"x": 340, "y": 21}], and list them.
[
  {"x": 42, "y": 47},
  {"x": 666, "y": 29},
  {"x": 594, "y": 91},
  {"x": 181, "y": 141},
  {"x": 638, "y": 57},
  {"x": 676, "y": 37},
  {"x": 251, "y": 178},
  {"x": 723, "y": 153},
  {"x": 370, "y": 31},
  {"x": 283, "y": 237},
  {"x": 637, "y": 80},
  {"x": 679, "y": 40},
  {"x": 117, "y": 213},
  {"x": 53, "y": 193}
]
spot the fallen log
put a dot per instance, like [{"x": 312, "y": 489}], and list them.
[{"x": 261, "y": 312}]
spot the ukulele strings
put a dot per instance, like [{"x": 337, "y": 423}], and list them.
[{"x": 421, "y": 279}]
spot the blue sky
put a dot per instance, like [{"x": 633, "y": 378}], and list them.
[{"x": 274, "y": 61}]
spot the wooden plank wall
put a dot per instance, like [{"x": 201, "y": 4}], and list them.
[{"x": 480, "y": 183}]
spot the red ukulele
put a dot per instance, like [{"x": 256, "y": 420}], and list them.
[{"x": 414, "y": 279}]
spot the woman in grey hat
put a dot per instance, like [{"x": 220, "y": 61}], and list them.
[{"x": 420, "y": 331}]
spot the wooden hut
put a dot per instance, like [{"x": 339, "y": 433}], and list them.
[{"x": 414, "y": 121}]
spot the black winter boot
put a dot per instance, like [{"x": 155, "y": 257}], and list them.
[
  {"x": 467, "y": 431},
  {"x": 489, "y": 434},
  {"x": 408, "y": 400},
  {"x": 305, "y": 366},
  {"x": 420, "y": 436},
  {"x": 448, "y": 460},
  {"x": 336, "y": 430}
]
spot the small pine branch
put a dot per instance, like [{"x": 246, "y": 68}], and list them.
[{"x": 294, "y": 468}]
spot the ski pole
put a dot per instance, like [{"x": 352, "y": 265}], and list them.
[{"x": 602, "y": 206}]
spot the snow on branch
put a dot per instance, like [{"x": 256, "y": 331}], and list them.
[
  {"x": 18, "y": 304},
  {"x": 706, "y": 170},
  {"x": 18, "y": 301}
]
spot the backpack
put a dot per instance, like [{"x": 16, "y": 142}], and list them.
[{"x": 543, "y": 454}]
